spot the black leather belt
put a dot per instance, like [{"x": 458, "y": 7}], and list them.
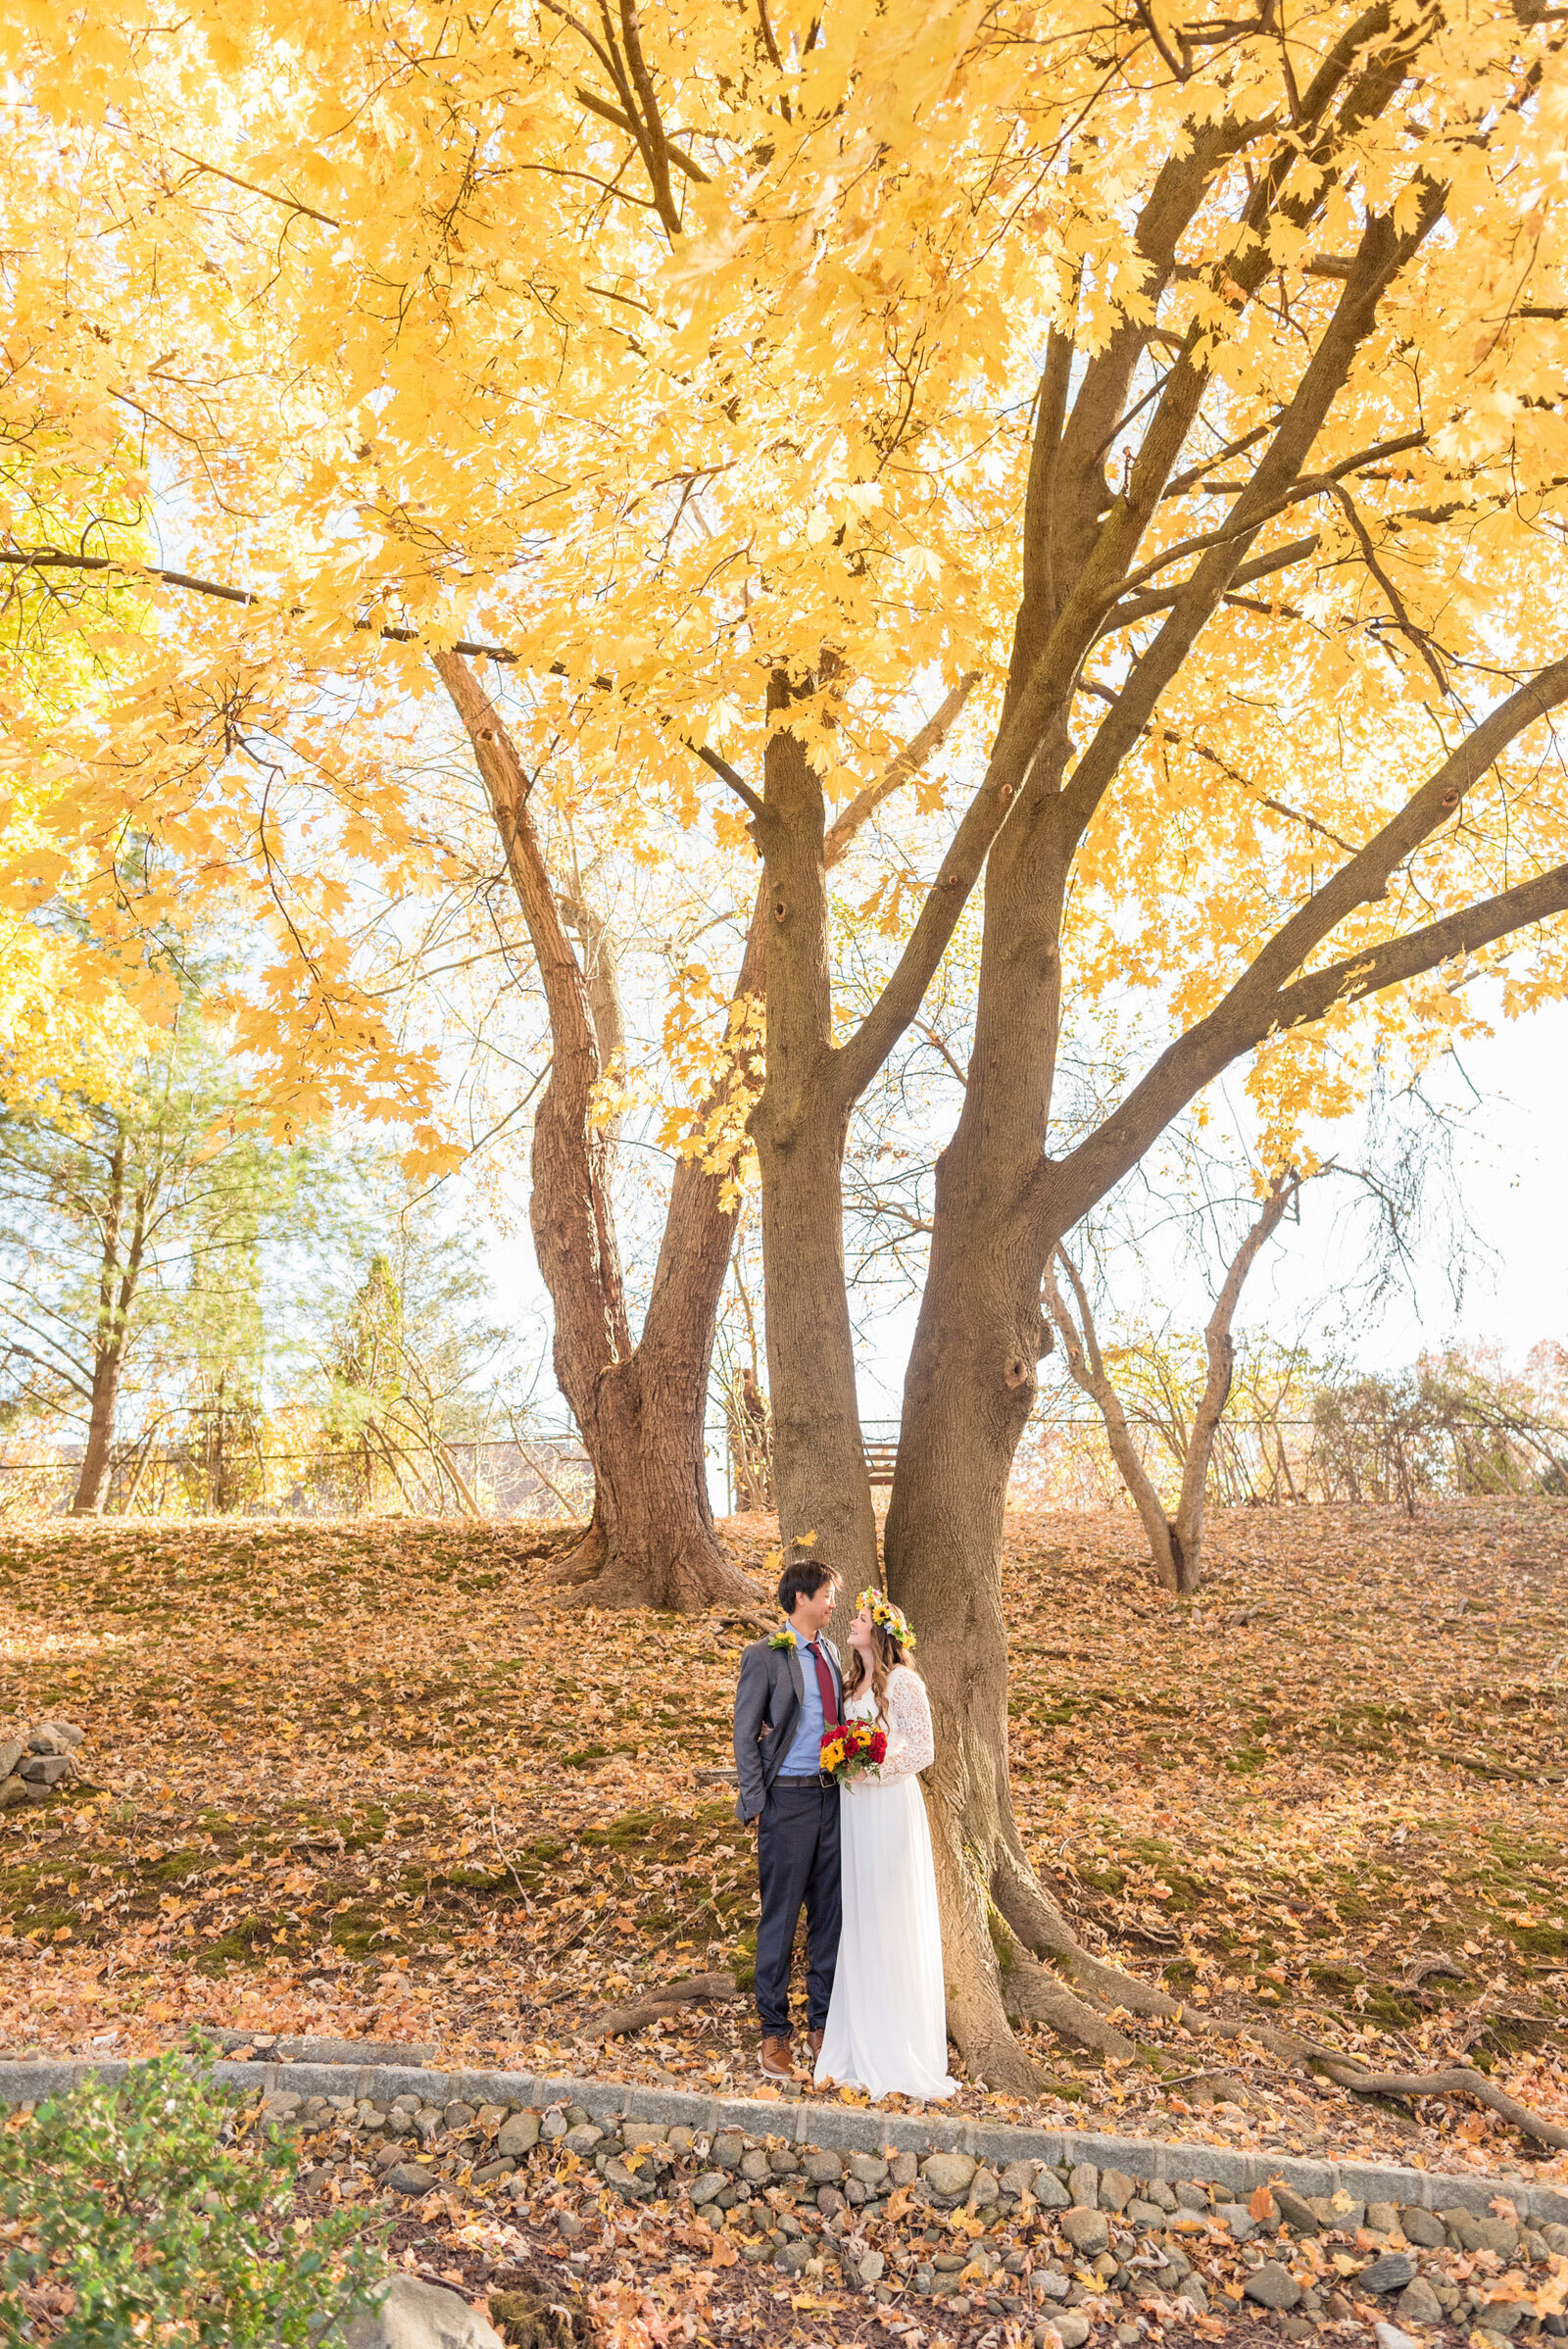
[{"x": 815, "y": 1779}]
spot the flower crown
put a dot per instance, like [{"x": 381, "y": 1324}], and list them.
[{"x": 881, "y": 1609}]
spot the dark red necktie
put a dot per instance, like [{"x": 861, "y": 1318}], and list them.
[{"x": 824, "y": 1680}]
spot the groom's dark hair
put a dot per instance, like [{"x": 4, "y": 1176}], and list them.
[{"x": 802, "y": 1580}]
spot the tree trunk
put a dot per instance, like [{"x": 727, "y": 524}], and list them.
[
  {"x": 1081, "y": 1344},
  {"x": 967, "y": 1395},
  {"x": 799, "y": 1126},
  {"x": 1220, "y": 1348},
  {"x": 1002, "y": 1205},
  {"x": 640, "y": 1408},
  {"x": 116, "y": 1293},
  {"x": 93, "y": 1483},
  {"x": 652, "y": 1542}
]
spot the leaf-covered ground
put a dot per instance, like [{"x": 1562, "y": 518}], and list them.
[{"x": 372, "y": 1780}]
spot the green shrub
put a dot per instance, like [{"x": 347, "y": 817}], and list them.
[{"x": 151, "y": 2214}]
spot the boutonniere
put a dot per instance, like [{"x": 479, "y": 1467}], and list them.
[{"x": 782, "y": 1637}]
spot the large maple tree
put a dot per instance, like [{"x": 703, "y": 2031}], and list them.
[{"x": 1194, "y": 377}]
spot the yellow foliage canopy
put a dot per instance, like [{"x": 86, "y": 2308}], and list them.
[{"x": 672, "y": 355}]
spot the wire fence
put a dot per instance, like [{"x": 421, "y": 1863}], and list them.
[
  {"x": 544, "y": 1477},
  {"x": 1387, "y": 1457}
]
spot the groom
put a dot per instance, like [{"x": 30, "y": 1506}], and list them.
[{"x": 790, "y": 1688}]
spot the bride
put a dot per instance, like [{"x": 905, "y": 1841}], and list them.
[{"x": 887, "y": 2021}]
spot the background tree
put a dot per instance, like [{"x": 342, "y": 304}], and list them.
[
  {"x": 641, "y": 1405},
  {"x": 1175, "y": 1542},
  {"x": 1454, "y": 1423},
  {"x": 127, "y": 1228},
  {"x": 408, "y": 1363}
]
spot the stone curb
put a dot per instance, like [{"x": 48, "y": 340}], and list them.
[{"x": 845, "y": 2128}]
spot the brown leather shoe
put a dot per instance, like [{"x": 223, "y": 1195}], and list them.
[
  {"x": 773, "y": 2060},
  {"x": 815, "y": 2040}
]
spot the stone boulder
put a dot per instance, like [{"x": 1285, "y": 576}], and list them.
[
  {"x": 409, "y": 2178},
  {"x": 411, "y": 2314},
  {"x": 1390, "y": 2274},
  {"x": 519, "y": 2136},
  {"x": 949, "y": 2172},
  {"x": 1087, "y": 2230},
  {"x": 1272, "y": 2285},
  {"x": 1418, "y": 2304},
  {"x": 1298, "y": 2214}
]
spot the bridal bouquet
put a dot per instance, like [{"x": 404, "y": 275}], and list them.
[{"x": 852, "y": 1748}]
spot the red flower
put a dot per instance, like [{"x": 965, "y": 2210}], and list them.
[{"x": 854, "y": 1745}]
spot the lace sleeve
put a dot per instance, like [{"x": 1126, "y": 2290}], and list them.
[{"x": 910, "y": 1744}]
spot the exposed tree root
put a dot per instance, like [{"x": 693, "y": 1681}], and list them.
[
  {"x": 697, "y": 1989},
  {"x": 1484, "y": 1765},
  {"x": 1041, "y": 1927},
  {"x": 1461, "y": 2081},
  {"x": 584, "y": 1559},
  {"x": 697, "y": 1575},
  {"x": 1031, "y": 1993}
]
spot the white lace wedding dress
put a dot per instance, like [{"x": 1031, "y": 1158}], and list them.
[{"x": 887, "y": 2029}]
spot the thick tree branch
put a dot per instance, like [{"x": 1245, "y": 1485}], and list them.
[
  {"x": 62, "y": 559},
  {"x": 1304, "y": 485},
  {"x": 1381, "y": 256},
  {"x": 1428, "y": 949},
  {"x": 42, "y": 558},
  {"x": 1262, "y": 1000},
  {"x": 623, "y": 122},
  {"x": 1278, "y": 558},
  {"x": 726, "y": 773}
]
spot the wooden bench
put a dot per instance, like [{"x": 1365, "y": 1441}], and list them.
[{"x": 881, "y": 1458}]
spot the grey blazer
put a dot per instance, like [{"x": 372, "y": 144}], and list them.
[{"x": 768, "y": 1702}]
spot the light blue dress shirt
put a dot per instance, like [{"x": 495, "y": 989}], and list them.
[{"x": 803, "y": 1758}]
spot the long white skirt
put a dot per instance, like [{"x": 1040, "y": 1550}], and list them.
[{"x": 887, "y": 2029}]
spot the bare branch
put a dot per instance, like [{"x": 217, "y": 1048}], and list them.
[
  {"x": 1081, "y": 1344},
  {"x": 899, "y": 770},
  {"x": 269, "y": 195}
]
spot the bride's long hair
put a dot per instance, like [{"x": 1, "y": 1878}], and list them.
[{"x": 886, "y": 1654}]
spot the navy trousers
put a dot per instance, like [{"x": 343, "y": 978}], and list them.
[{"x": 797, "y": 1862}]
